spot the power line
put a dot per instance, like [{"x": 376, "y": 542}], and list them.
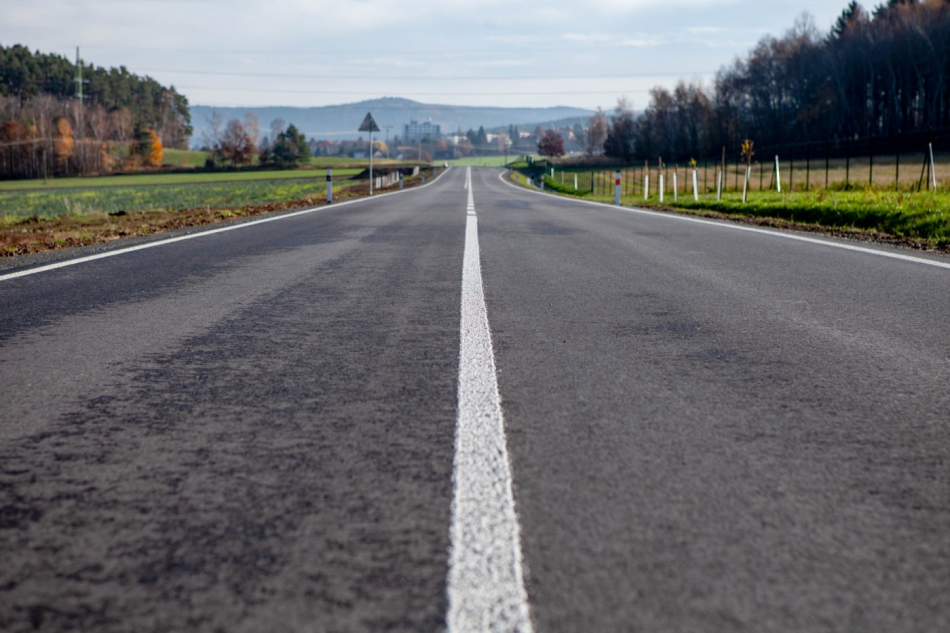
[
  {"x": 418, "y": 94},
  {"x": 417, "y": 78}
]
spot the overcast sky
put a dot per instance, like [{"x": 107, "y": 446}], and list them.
[{"x": 465, "y": 52}]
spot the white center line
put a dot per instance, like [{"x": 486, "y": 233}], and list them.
[
  {"x": 470, "y": 209},
  {"x": 485, "y": 584}
]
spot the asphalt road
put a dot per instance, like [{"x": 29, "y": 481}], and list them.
[{"x": 709, "y": 429}]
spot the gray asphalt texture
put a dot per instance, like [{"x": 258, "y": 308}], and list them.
[{"x": 709, "y": 429}]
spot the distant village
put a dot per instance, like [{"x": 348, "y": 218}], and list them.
[{"x": 424, "y": 140}]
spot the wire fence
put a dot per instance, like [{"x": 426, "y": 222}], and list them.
[{"x": 918, "y": 161}]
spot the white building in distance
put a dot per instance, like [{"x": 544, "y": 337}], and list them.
[{"x": 414, "y": 131}]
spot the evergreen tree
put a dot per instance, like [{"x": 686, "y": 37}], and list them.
[{"x": 291, "y": 148}]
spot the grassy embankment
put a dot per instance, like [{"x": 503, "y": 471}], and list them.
[
  {"x": 919, "y": 219},
  {"x": 70, "y": 212}
]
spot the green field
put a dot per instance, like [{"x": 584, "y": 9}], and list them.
[
  {"x": 486, "y": 161},
  {"x": 134, "y": 180},
  {"x": 20, "y": 204},
  {"x": 183, "y": 158}
]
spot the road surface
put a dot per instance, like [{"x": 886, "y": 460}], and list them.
[{"x": 701, "y": 427}]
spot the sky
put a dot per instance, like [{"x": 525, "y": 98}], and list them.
[{"x": 540, "y": 53}]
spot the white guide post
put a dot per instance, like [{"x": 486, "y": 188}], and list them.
[
  {"x": 617, "y": 189},
  {"x": 695, "y": 186},
  {"x": 646, "y": 187},
  {"x": 676, "y": 191},
  {"x": 719, "y": 186},
  {"x": 778, "y": 175},
  {"x": 329, "y": 186},
  {"x": 661, "y": 188},
  {"x": 933, "y": 174}
]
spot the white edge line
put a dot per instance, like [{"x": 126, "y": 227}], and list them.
[
  {"x": 737, "y": 227},
  {"x": 200, "y": 233}
]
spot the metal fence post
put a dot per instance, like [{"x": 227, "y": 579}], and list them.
[
  {"x": 791, "y": 168},
  {"x": 933, "y": 172},
  {"x": 847, "y": 165},
  {"x": 827, "y": 159},
  {"x": 807, "y": 166},
  {"x": 897, "y": 168}
]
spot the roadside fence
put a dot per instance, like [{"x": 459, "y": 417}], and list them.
[{"x": 918, "y": 161}]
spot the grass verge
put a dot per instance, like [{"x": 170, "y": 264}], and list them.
[
  {"x": 140, "y": 180},
  {"x": 915, "y": 219},
  {"x": 89, "y": 225}
]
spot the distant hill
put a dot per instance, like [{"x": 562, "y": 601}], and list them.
[{"x": 340, "y": 122}]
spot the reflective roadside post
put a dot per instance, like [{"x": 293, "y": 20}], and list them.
[
  {"x": 617, "y": 189},
  {"x": 329, "y": 186}
]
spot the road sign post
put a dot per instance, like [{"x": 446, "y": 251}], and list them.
[{"x": 369, "y": 125}]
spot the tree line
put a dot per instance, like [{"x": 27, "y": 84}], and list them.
[
  {"x": 123, "y": 120},
  {"x": 875, "y": 73},
  {"x": 236, "y": 143}
]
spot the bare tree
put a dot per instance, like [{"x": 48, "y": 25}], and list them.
[
  {"x": 252, "y": 128},
  {"x": 596, "y": 133},
  {"x": 551, "y": 144}
]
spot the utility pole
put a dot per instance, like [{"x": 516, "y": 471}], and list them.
[{"x": 81, "y": 130}]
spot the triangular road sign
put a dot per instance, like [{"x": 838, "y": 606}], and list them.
[{"x": 369, "y": 125}]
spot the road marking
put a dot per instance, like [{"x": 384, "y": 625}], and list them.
[
  {"x": 751, "y": 229},
  {"x": 470, "y": 208},
  {"x": 190, "y": 236},
  {"x": 485, "y": 584}
]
